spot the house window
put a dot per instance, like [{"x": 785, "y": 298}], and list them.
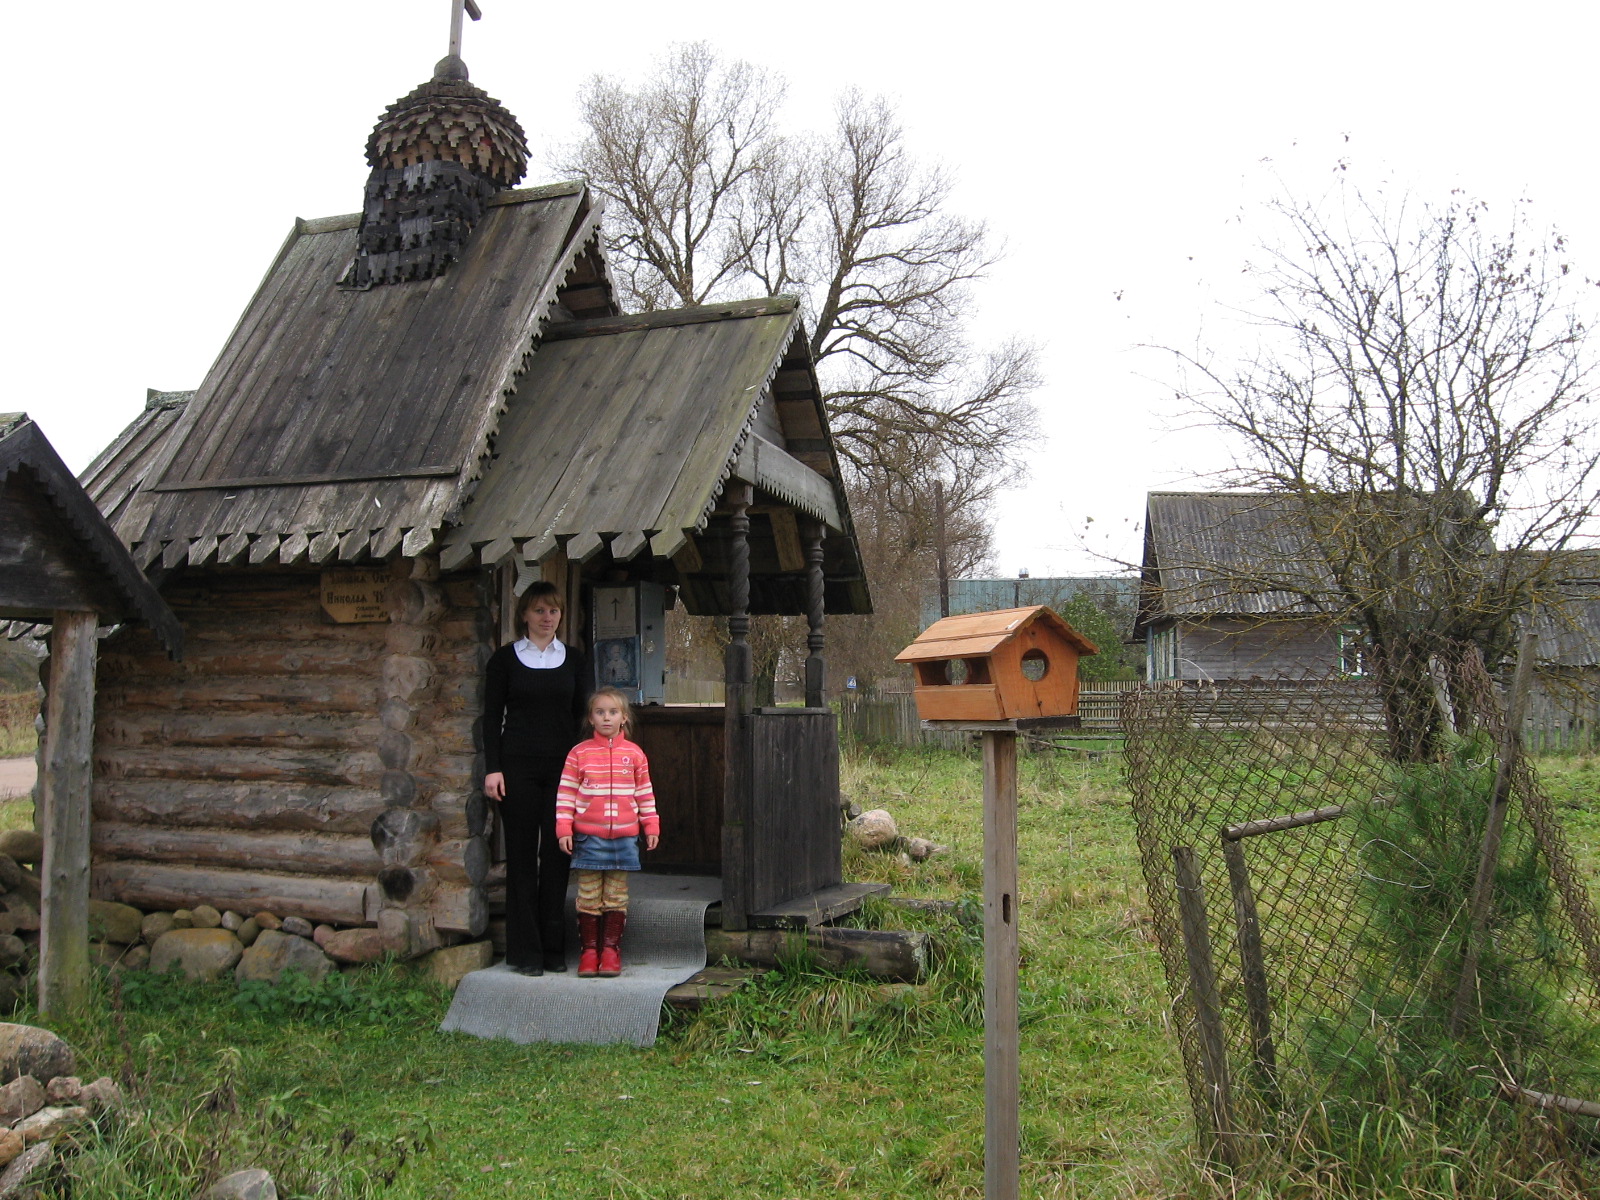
[
  {"x": 1353, "y": 651},
  {"x": 1161, "y": 653}
]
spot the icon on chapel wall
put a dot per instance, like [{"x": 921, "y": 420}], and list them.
[{"x": 619, "y": 662}]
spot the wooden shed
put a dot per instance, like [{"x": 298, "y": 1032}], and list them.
[
  {"x": 339, "y": 516},
  {"x": 61, "y": 565},
  {"x": 1015, "y": 663}
]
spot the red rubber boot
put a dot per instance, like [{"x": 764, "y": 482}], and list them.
[
  {"x": 589, "y": 939},
  {"x": 611, "y": 942}
]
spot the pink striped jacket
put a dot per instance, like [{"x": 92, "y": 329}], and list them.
[{"x": 605, "y": 790}]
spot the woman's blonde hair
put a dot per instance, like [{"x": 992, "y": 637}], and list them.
[{"x": 611, "y": 693}]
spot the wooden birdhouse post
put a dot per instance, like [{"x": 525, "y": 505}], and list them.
[{"x": 999, "y": 673}]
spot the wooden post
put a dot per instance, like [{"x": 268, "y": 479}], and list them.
[
  {"x": 941, "y": 548},
  {"x": 1001, "y": 1068},
  {"x": 1494, "y": 827},
  {"x": 1208, "y": 1007},
  {"x": 68, "y": 769},
  {"x": 736, "y": 679},
  {"x": 816, "y": 692},
  {"x": 1254, "y": 965}
]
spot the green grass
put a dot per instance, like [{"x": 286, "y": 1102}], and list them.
[
  {"x": 803, "y": 1085},
  {"x": 17, "y": 712}
]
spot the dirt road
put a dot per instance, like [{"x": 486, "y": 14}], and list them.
[{"x": 16, "y": 777}]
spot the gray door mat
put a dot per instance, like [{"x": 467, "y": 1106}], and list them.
[{"x": 664, "y": 944}]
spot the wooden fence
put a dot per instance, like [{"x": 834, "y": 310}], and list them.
[{"x": 869, "y": 718}]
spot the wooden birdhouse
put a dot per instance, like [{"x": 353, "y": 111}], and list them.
[{"x": 1014, "y": 664}]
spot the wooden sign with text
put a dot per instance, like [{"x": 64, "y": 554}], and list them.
[{"x": 356, "y": 597}]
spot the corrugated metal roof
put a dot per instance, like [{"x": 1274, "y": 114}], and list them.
[
  {"x": 626, "y": 429},
  {"x": 984, "y": 595},
  {"x": 1228, "y": 553},
  {"x": 338, "y": 422}
]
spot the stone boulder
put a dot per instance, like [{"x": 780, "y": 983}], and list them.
[
  {"x": 874, "y": 830},
  {"x": 275, "y": 952},
  {"x": 198, "y": 953},
  {"x": 203, "y": 916},
  {"x": 24, "y": 913},
  {"x": 252, "y": 1183},
  {"x": 64, "y": 1089},
  {"x": 22, "y": 1097},
  {"x": 50, "y": 1123},
  {"x": 11, "y": 1145},
  {"x": 450, "y": 963},
  {"x": 103, "y": 1095},
  {"x": 298, "y": 926},
  {"x": 29, "y": 1050},
  {"x": 27, "y": 1170},
  {"x": 121, "y": 924},
  {"x": 10, "y": 874},
  {"x": 355, "y": 945},
  {"x": 12, "y": 948},
  {"x": 22, "y": 845},
  {"x": 154, "y": 925},
  {"x": 248, "y": 932}
]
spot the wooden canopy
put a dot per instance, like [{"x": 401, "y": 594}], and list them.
[{"x": 57, "y": 553}]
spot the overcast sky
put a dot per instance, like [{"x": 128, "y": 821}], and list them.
[{"x": 159, "y": 153}]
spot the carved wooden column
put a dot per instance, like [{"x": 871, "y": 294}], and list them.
[
  {"x": 815, "y": 666},
  {"x": 736, "y": 678}
]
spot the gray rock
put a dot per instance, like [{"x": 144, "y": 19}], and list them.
[
  {"x": 252, "y": 1183},
  {"x": 109, "y": 921},
  {"x": 248, "y": 932},
  {"x": 275, "y": 952},
  {"x": 24, "y": 913},
  {"x": 28, "y": 1168},
  {"x": 13, "y": 990},
  {"x": 268, "y": 920},
  {"x": 28, "y": 884},
  {"x": 135, "y": 958},
  {"x": 12, "y": 948},
  {"x": 22, "y": 1097},
  {"x": 8, "y": 923},
  {"x": 154, "y": 925},
  {"x": 920, "y": 849},
  {"x": 198, "y": 953},
  {"x": 298, "y": 926},
  {"x": 103, "y": 1095},
  {"x": 10, "y": 873},
  {"x": 183, "y": 919},
  {"x": 874, "y": 830},
  {"x": 232, "y": 920},
  {"x": 11, "y": 1145},
  {"x": 48, "y": 1123},
  {"x": 22, "y": 845},
  {"x": 29, "y": 1050},
  {"x": 64, "y": 1089},
  {"x": 321, "y": 934},
  {"x": 205, "y": 917}
]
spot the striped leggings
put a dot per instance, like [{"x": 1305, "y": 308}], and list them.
[{"x": 602, "y": 891}]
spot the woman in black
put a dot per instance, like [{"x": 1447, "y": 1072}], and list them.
[{"x": 534, "y": 696}]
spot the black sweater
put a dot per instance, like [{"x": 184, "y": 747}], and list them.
[{"x": 529, "y": 712}]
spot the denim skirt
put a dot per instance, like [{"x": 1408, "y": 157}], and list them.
[{"x": 591, "y": 852}]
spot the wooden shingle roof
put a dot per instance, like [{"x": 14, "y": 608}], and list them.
[
  {"x": 339, "y": 423},
  {"x": 626, "y": 429},
  {"x": 57, "y": 552}
]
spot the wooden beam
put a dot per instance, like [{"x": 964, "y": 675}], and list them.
[
  {"x": 68, "y": 775},
  {"x": 1002, "y": 1147},
  {"x": 786, "y": 533}
]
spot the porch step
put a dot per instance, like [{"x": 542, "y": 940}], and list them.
[
  {"x": 703, "y": 987},
  {"x": 820, "y": 907}
]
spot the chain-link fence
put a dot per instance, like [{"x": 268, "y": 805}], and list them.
[{"x": 1313, "y": 851}]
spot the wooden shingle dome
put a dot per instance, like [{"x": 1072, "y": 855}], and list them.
[{"x": 448, "y": 119}]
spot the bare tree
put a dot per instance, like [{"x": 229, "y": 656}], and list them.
[
  {"x": 1422, "y": 388},
  {"x": 709, "y": 200}
]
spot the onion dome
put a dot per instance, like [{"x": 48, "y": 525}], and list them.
[
  {"x": 447, "y": 119},
  {"x": 437, "y": 157}
]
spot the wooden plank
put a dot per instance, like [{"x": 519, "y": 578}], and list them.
[
  {"x": 1207, "y": 1004},
  {"x": 670, "y": 318},
  {"x": 304, "y": 853},
  {"x": 354, "y": 545},
  {"x": 706, "y": 987},
  {"x": 1002, "y": 1146},
  {"x": 231, "y": 547},
  {"x": 817, "y": 908},
  {"x": 786, "y": 532},
  {"x": 895, "y": 954},
  {"x": 64, "y": 815},
  {"x": 323, "y": 546},
  {"x": 264, "y": 806},
  {"x": 959, "y": 702},
  {"x": 264, "y": 547}
]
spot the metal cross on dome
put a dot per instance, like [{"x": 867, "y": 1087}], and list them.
[{"x": 456, "y": 8}]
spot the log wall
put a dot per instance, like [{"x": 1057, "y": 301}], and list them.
[{"x": 290, "y": 763}]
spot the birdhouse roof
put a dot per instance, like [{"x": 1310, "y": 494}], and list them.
[{"x": 979, "y": 634}]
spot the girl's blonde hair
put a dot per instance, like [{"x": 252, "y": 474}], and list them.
[{"x": 611, "y": 693}]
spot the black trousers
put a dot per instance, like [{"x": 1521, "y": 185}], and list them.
[{"x": 536, "y": 867}]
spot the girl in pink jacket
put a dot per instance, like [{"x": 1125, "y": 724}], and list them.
[{"x": 603, "y": 804}]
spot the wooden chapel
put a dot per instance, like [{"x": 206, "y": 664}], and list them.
[{"x": 422, "y": 400}]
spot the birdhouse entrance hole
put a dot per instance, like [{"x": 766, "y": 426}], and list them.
[
  {"x": 1035, "y": 666},
  {"x": 953, "y": 671}
]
